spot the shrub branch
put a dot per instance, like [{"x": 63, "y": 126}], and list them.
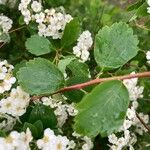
[{"x": 99, "y": 80}]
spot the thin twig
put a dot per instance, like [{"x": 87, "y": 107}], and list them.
[
  {"x": 142, "y": 27},
  {"x": 99, "y": 80},
  {"x": 16, "y": 29},
  {"x": 12, "y": 32},
  {"x": 2, "y": 45},
  {"x": 143, "y": 123}
]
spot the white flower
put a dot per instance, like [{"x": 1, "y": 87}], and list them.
[
  {"x": 148, "y": 55},
  {"x": 50, "y": 12},
  {"x": 127, "y": 124},
  {"x": 22, "y": 7},
  {"x": 27, "y": 19},
  {"x": 40, "y": 17},
  {"x": 68, "y": 18},
  {"x": 112, "y": 139},
  {"x": 76, "y": 135},
  {"x": 88, "y": 145},
  {"x": 84, "y": 43},
  {"x": 115, "y": 147},
  {"x": 148, "y": 10},
  {"x": 48, "y": 140},
  {"x": 61, "y": 143},
  {"x": 135, "y": 91},
  {"x": 131, "y": 147},
  {"x": 51, "y": 141},
  {"x": 145, "y": 118},
  {"x": 76, "y": 51},
  {"x": 61, "y": 114},
  {"x": 26, "y": 13},
  {"x": 148, "y": 52},
  {"x": 36, "y": 6},
  {"x": 25, "y": 2},
  {"x": 16, "y": 103},
  {"x": 16, "y": 141},
  {"x": 127, "y": 135},
  {"x": 71, "y": 110},
  {"x": 71, "y": 144},
  {"x": 41, "y": 28},
  {"x": 148, "y": 2},
  {"x": 85, "y": 55},
  {"x": 131, "y": 113},
  {"x": 135, "y": 104},
  {"x": 121, "y": 142}
]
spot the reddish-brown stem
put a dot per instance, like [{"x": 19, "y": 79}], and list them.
[{"x": 97, "y": 81}]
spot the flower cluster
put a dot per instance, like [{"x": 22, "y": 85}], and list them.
[
  {"x": 148, "y": 57},
  {"x": 129, "y": 138},
  {"x": 16, "y": 141},
  {"x": 5, "y": 25},
  {"x": 50, "y": 22},
  {"x": 62, "y": 111},
  {"x": 16, "y": 103},
  {"x": 53, "y": 23},
  {"x": 135, "y": 91},
  {"x": 51, "y": 141},
  {"x": 25, "y": 7},
  {"x": 6, "y": 77},
  {"x": 84, "y": 44}
]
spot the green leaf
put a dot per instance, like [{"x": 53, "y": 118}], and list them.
[
  {"x": 38, "y": 45},
  {"x": 21, "y": 20},
  {"x": 142, "y": 10},
  {"x": 135, "y": 5},
  {"x": 45, "y": 114},
  {"x": 64, "y": 63},
  {"x": 2, "y": 133},
  {"x": 79, "y": 69},
  {"x": 40, "y": 77},
  {"x": 18, "y": 66},
  {"x": 39, "y": 125},
  {"x": 32, "y": 128},
  {"x": 103, "y": 110},
  {"x": 71, "y": 33},
  {"x": 115, "y": 45}
]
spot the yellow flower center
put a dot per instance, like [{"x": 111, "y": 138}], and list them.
[{"x": 59, "y": 146}]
